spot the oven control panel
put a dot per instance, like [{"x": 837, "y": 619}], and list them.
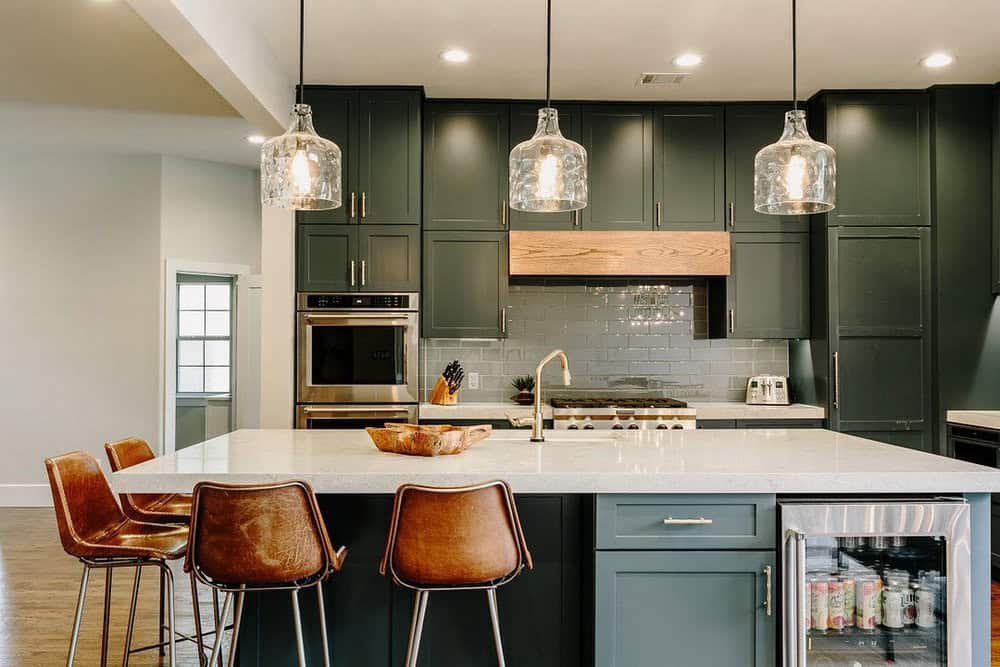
[{"x": 356, "y": 301}]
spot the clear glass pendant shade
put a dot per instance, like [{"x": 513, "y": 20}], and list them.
[
  {"x": 548, "y": 172},
  {"x": 300, "y": 169},
  {"x": 797, "y": 175}
]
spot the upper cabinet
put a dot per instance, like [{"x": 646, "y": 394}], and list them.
[
  {"x": 466, "y": 148},
  {"x": 689, "y": 168},
  {"x": 523, "y": 121},
  {"x": 619, "y": 143},
  {"x": 750, "y": 127},
  {"x": 373, "y": 258},
  {"x": 378, "y": 132},
  {"x": 883, "y": 157}
]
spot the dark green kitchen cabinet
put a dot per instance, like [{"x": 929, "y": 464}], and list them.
[
  {"x": 465, "y": 285},
  {"x": 523, "y": 121},
  {"x": 335, "y": 117},
  {"x": 667, "y": 607},
  {"x": 373, "y": 258},
  {"x": 766, "y": 294},
  {"x": 996, "y": 189},
  {"x": 466, "y": 148},
  {"x": 689, "y": 168},
  {"x": 750, "y": 127},
  {"x": 619, "y": 143},
  {"x": 883, "y": 157}
]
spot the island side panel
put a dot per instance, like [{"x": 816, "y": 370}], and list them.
[{"x": 981, "y": 577}]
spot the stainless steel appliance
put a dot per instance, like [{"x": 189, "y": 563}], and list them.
[
  {"x": 352, "y": 416},
  {"x": 622, "y": 413},
  {"x": 357, "y": 348},
  {"x": 767, "y": 390},
  {"x": 907, "y": 564}
]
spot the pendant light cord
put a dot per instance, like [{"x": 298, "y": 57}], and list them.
[
  {"x": 795, "y": 91},
  {"x": 548, "y": 52},
  {"x": 302, "y": 39}
]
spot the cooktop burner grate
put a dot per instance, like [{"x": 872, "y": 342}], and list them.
[{"x": 623, "y": 402}]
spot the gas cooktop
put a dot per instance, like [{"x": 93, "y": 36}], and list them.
[{"x": 617, "y": 402}]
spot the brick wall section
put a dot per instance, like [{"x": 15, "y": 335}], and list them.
[{"x": 625, "y": 337}]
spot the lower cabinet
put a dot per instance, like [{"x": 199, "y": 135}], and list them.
[
  {"x": 691, "y": 608},
  {"x": 465, "y": 285}
]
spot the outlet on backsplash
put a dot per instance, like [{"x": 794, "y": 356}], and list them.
[{"x": 473, "y": 380}]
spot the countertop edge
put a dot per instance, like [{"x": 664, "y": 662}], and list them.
[
  {"x": 706, "y": 410},
  {"x": 978, "y": 418}
]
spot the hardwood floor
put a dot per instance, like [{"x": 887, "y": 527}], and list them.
[{"x": 38, "y": 589}]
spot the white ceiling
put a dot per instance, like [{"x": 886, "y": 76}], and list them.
[{"x": 601, "y": 46}]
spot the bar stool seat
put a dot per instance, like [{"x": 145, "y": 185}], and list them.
[{"x": 148, "y": 507}]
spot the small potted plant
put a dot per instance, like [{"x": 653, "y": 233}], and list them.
[{"x": 525, "y": 386}]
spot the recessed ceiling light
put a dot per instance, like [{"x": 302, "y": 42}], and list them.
[
  {"x": 255, "y": 138},
  {"x": 939, "y": 59},
  {"x": 687, "y": 60},
  {"x": 455, "y": 56}
]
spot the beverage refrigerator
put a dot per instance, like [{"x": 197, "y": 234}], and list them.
[{"x": 876, "y": 583}]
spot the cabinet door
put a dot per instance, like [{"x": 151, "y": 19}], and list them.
[
  {"x": 996, "y": 189},
  {"x": 883, "y": 158},
  {"x": 465, "y": 166},
  {"x": 700, "y": 608},
  {"x": 768, "y": 290},
  {"x": 465, "y": 284},
  {"x": 689, "y": 171},
  {"x": 326, "y": 258},
  {"x": 880, "y": 337},
  {"x": 389, "y": 157},
  {"x": 619, "y": 143},
  {"x": 750, "y": 127},
  {"x": 335, "y": 117},
  {"x": 389, "y": 258},
  {"x": 523, "y": 121}
]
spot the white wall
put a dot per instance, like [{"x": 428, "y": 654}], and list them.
[
  {"x": 79, "y": 319},
  {"x": 277, "y": 339}
]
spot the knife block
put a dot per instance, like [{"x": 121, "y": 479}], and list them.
[{"x": 440, "y": 394}]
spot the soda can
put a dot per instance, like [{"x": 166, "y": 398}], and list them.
[
  {"x": 866, "y": 592},
  {"x": 892, "y": 607},
  {"x": 910, "y": 605},
  {"x": 926, "y": 599},
  {"x": 835, "y": 602},
  {"x": 819, "y": 603},
  {"x": 850, "y": 601}
]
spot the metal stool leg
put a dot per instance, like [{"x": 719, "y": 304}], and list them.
[
  {"x": 162, "y": 648},
  {"x": 217, "y": 645},
  {"x": 106, "y": 625},
  {"x": 322, "y": 624},
  {"x": 197, "y": 620},
  {"x": 299, "y": 644},
  {"x": 131, "y": 616},
  {"x": 219, "y": 625},
  {"x": 491, "y": 596},
  {"x": 237, "y": 617},
  {"x": 168, "y": 577},
  {"x": 416, "y": 626},
  {"x": 79, "y": 616}
]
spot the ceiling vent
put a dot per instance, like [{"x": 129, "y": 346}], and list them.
[{"x": 662, "y": 78}]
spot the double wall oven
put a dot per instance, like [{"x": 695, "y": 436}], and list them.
[{"x": 356, "y": 359}]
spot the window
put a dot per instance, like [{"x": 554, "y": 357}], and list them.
[{"x": 204, "y": 330}]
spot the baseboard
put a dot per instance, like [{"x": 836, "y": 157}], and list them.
[{"x": 25, "y": 495}]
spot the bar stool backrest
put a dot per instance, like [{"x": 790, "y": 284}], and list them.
[
  {"x": 449, "y": 537},
  {"x": 268, "y": 536},
  {"x": 127, "y": 453},
  {"x": 84, "y": 503}
]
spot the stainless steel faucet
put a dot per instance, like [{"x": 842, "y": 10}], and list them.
[{"x": 537, "y": 423}]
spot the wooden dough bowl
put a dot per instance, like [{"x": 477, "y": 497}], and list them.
[{"x": 417, "y": 440}]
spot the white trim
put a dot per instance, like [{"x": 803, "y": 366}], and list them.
[
  {"x": 168, "y": 410},
  {"x": 25, "y": 495}
]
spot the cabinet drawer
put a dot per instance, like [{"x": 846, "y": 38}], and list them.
[{"x": 650, "y": 521}]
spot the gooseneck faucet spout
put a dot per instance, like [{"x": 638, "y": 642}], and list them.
[{"x": 537, "y": 431}]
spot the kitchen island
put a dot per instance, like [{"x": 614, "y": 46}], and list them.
[{"x": 585, "y": 500}]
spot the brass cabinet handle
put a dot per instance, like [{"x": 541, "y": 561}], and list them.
[
  {"x": 767, "y": 590},
  {"x": 362, "y": 268},
  {"x": 732, "y": 320},
  {"x": 352, "y": 273},
  {"x": 503, "y": 320},
  {"x": 700, "y": 521},
  {"x": 732, "y": 216},
  {"x": 659, "y": 214},
  {"x": 576, "y": 218},
  {"x": 503, "y": 213},
  {"x": 354, "y": 206},
  {"x": 364, "y": 211},
  {"x": 836, "y": 379}
]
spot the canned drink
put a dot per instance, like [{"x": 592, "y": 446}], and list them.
[
  {"x": 910, "y": 605},
  {"x": 835, "y": 602},
  {"x": 892, "y": 607},
  {"x": 866, "y": 592},
  {"x": 926, "y": 599},
  {"x": 850, "y": 601},
  {"x": 819, "y": 603}
]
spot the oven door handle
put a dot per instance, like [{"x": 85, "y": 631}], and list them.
[
  {"x": 348, "y": 408},
  {"x": 388, "y": 319}
]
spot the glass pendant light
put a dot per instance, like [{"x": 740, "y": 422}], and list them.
[
  {"x": 548, "y": 172},
  {"x": 797, "y": 175},
  {"x": 300, "y": 169}
]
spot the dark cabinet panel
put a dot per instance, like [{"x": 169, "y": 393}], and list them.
[
  {"x": 750, "y": 127},
  {"x": 465, "y": 284},
  {"x": 880, "y": 283},
  {"x": 466, "y": 147},
  {"x": 389, "y": 157},
  {"x": 689, "y": 168},
  {"x": 335, "y": 117},
  {"x": 389, "y": 257},
  {"x": 883, "y": 158},
  {"x": 619, "y": 143},
  {"x": 996, "y": 189},
  {"x": 523, "y": 121},
  {"x": 768, "y": 290},
  {"x": 326, "y": 258}
]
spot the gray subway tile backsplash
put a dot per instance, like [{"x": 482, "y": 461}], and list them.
[{"x": 619, "y": 337}]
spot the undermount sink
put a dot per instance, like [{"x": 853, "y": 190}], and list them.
[{"x": 523, "y": 435}]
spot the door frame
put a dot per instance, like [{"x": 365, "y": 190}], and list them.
[{"x": 168, "y": 346}]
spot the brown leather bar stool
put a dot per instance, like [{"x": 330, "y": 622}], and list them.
[
  {"x": 93, "y": 529},
  {"x": 454, "y": 538},
  {"x": 267, "y": 537}
]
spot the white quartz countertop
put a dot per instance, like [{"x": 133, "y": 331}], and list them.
[
  {"x": 980, "y": 418},
  {"x": 708, "y": 410},
  {"x": 813, "y": 461}
]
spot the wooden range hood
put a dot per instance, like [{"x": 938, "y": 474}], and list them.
[{"x": 581, "y": 253}]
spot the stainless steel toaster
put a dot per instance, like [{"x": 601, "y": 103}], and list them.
[{"x": 767, "y": 390}]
